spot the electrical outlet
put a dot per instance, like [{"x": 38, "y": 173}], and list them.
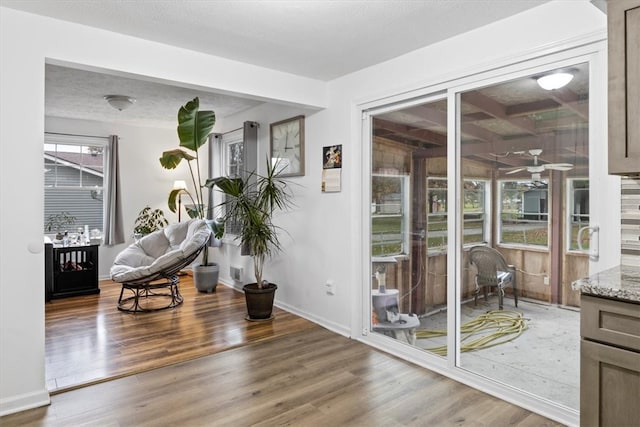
[
  {"x": 330, "y": 286},
  {"x": 546, "y": 280}
]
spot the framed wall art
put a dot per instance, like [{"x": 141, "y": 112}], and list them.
[{"x": 332, "y": 168}]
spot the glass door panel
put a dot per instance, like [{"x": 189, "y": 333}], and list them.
[
  {"x": 409, "y": 225},
  {"x": 525, "y": 174}
]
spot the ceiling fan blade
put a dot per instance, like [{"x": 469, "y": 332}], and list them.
[
  {"x": 515, "y": 171},
  {"x": 559, "y": 166}
]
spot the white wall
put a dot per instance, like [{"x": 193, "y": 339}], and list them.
[
  {"x": 325, "y": 239},
  {"x": 27, "y": 42},
  {"x": 546, "y": 29},
  {"x": 316, "y": 245}
]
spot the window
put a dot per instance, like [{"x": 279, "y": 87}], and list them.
[
  {"x": 389, "y": 212},
  {"x": 524, "y": 213},
  {"x": 436, "y": 213},
  {"x": 74, "y": 171},
  {"x": 233, "y": 146},
  {"x": 232, "y": 149},
  {"x": 578, "y": 203},
  {"x": 237, "y": 154},
  {"x": 475, "y": 226}
]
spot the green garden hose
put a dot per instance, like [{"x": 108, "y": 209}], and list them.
[{"x": 494, "y": 327}]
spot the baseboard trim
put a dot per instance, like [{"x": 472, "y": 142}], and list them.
[
  {"x": 24, "y": 402},
  {"x": 332, "y": 326}
]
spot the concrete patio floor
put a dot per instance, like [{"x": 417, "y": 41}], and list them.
[{"x": 543, "y": 360}]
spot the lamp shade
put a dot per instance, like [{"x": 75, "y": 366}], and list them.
[
  {"x": 554, "y": 81},
  {"x": 120, "y": 102},
  {"x": 179, "y": 185}
]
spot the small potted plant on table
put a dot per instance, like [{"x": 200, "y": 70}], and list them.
[
  {"x": 148, "y": 221},
  {"x": 60, "y": 222}
]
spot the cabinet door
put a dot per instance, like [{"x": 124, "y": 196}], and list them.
[
  {"x": 609, "y": 386},
  {"x": 624, "y": 86},
  {"x": 614, "y": 322}
]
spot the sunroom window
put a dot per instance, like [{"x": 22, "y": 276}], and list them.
[
  {"x": 578, "y": 202},
  {"x": 389, "y": 214},
  {"x": 475, "y": 225},
  {"x": 524, "y": 213}
]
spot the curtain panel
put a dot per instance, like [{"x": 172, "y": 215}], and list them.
[{"x": 113, "y": 229}]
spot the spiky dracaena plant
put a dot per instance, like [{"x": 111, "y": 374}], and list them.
[
  {"x": 251, "y": 203},
  {"x": 194, "y": 128}
]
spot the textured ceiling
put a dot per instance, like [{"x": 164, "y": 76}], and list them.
[
  {"x": 320, "y": 39},
  {"x": 79, "y": 94}
]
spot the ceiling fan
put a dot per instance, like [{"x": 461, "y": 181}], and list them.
[{"x": 536, "y": 169}]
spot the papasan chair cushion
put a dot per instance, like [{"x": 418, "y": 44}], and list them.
[
  {"x": 160, "y": 250},
  {"x": 160, "y": 254}
]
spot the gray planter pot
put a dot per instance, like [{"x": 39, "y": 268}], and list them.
[{"x": 205, "y": 277}]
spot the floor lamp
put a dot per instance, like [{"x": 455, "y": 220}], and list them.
[{"x": 182, "y": 186}]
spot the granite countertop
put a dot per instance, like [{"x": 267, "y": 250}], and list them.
[{"x": 621, "y": 282}]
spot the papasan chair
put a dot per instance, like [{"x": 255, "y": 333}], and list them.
[{"x": 148, "y": 268}]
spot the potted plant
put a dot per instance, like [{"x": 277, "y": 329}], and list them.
[
  {"x": 148, "y": 221},
  {"x": 251, "y": 202},
  {"x": 194, "y": 128},
  {"x": 60, "y": 222}
]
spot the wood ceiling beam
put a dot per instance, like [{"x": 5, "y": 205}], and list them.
[
  {"x": 572, "y": 101},
  {"x": 440, "y": 118},
  {"x": 498, "y": 111},
  {"x": 420, "y": 134},
  {"x": 532, "y": 107},
  {"x": 548, "y": 142}
]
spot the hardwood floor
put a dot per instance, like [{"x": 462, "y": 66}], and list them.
[
  {"x": 89, "y": 340},
  {"x": 285, "y": 372},
  {"x": 309, "y": 378}
]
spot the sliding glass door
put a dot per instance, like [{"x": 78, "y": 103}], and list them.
[
  {"x": 408, "y": 221},
  {"x": 483, "y": 206},
  {"x": 519, "y": 322}
]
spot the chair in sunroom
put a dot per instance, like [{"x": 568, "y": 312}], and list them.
[{"x": 492, "y": 271}]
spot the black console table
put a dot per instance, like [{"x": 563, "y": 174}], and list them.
[{"x": 70, "y": 271}]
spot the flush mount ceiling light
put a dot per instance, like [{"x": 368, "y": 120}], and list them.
[
  {"x": 555, "y": 80},
  {"x": 120, "y": 102}
]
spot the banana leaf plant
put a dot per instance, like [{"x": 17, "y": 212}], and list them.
[
  {"x": 251, "y": 202},
  {"x": 194, "y": 128}
]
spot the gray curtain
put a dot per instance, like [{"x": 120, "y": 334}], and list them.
[{"x": 113, "y": 230}]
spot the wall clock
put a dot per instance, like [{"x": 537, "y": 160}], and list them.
[{"x": 287, "y": 146}]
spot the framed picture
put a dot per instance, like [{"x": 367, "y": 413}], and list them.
[{"x": 287, "y": 146}]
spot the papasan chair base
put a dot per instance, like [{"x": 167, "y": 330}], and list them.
[{"x": 150, "y": 296}]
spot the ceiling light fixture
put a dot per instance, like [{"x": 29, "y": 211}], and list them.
[
  {"x": 555, "y": 80},
  {"x": 120, "y": 102}
]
